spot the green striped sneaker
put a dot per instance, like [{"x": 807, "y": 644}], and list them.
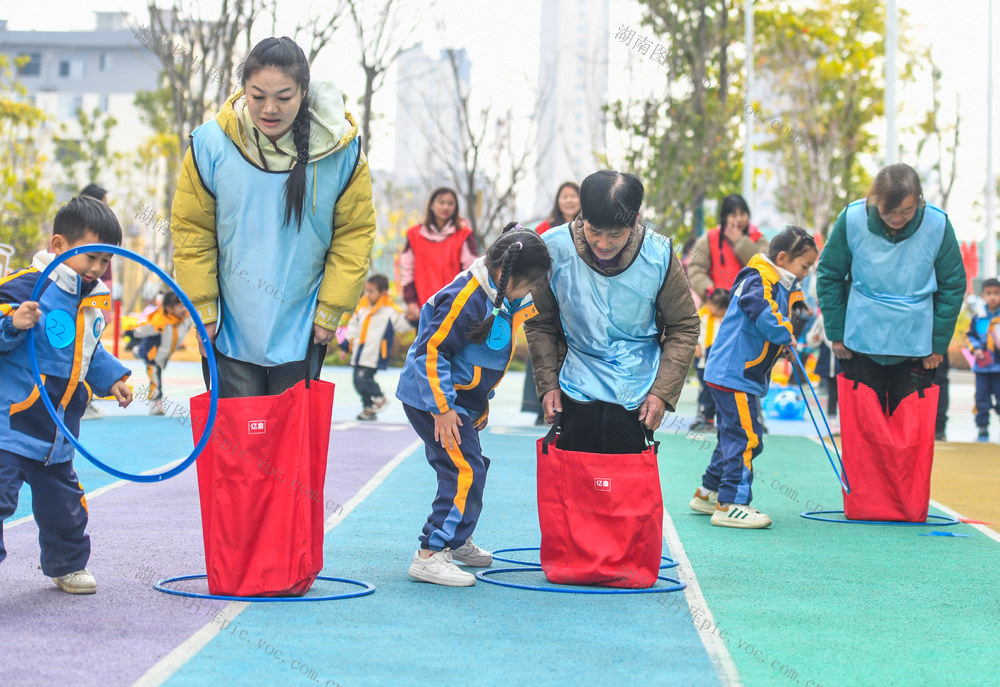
[{"x": 739, "y": 515}]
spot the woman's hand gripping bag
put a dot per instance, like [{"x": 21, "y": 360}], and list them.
[
  {"x": 260, "y": 480},
  {"x": 601, "y": 516}
]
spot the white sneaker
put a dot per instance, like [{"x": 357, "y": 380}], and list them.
[
  {"x": 91, "y": 413},
  {"x": 79, "y": 582},
  {"x": 739, "y": 515},
  {"x": 378, "y": 402},
  {"x": 157, "y": 409},
  {"x": 438, "y": 569},
  {"x": 470, "y": 554},
  {"x": 704, "y": 501}
]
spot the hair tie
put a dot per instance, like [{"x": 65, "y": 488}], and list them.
[
  {"x": 496, "y": 311},
  {"x": 520, "y": 246}
]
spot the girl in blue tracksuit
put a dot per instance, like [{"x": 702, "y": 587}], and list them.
[
  {"x": 755, "y": 329},
  {"x": 464, "y": 343}
]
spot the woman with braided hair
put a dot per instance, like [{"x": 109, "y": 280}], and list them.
[
  {"x": 464, "y": 343},
  {"x": 273, "y": 222}
]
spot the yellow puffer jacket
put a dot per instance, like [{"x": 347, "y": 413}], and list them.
[{"x": 196, "y": 253}]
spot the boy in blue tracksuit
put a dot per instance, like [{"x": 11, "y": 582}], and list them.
[
  {"x": 464, "y": 343},
  {"x": 987, "y": 364},
  {"x": 68, "y": 322},
  {"x": 753, "y": 332}
]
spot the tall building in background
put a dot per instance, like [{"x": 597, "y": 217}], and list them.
[
  {"x": 572, "y": 91},
  {"x": 428, "y": 130},
  {"x": 100, "y": 69}
]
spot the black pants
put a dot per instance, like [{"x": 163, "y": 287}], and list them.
[
  {"x": 365, "y": 384},
  {"x": 941, "y": 379},
  {"x": 891, "y": 383},
  {"x": 238, "y": 379},
  {"x": 600, "y": 427},
  {"x": 529, "y": 395}
]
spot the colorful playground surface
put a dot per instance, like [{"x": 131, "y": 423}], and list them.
[{"x": 803, "y": 603}]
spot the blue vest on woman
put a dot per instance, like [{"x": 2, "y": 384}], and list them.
[
  {"x": 890, "y": 309},
  {"x": 269, "y": 271},
  {"x": 609, "y": 322}
]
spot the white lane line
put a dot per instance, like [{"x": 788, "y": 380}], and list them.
[
  {"x": 175, "y": 660},
  {"x": 992, "y": 534},
  {"x": 371, "y": 486},
  {"x": 91, "y": 495},
  {"x": 955, "y": 514},
  {"x": 715, "y": 646}
]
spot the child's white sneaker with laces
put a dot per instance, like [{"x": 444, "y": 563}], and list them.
[
  {"x": 79, "y": 582},
  {"x": 739, "y": 515},
  {"x": 438, "y": 569},
  {"x": 470, "y": 554}
]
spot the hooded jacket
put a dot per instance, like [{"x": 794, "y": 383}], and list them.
[
  {"x": 371, "y": 331},
  {"x": 675, "y": 317},
  {"x": 444, "y": 370},
  {"x": 160, "y": 336},
  {"x": 231, "y": 246},
  {"x": 755, "y": 327},
  {"x": 71, "y": 359},
  {"x": 981, "y": 336}
]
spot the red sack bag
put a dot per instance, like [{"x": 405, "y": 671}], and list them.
[
  {"x": 887, "y": 458},
  {"x": 601, "y": 516},
  {"x": 260, "y": 481}
]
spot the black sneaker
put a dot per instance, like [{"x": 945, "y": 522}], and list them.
[
  {"x": 984, "y": 434},
  {"x": 939, "y": 435}
]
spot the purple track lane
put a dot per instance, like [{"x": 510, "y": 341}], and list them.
[{"x": 139, "y": 533}]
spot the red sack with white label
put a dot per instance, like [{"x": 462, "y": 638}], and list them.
[
  {"x": 601, "y": 516},
  {"x": 260, "y": 480}
]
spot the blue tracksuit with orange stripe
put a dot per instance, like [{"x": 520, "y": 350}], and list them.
[
  {"x": 751, "y": 336},
  {"x": 444, "y": 371},
  {"x": 72, "y": 363}
]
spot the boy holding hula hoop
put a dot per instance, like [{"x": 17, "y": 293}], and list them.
[{"x": 74, "y": 366}]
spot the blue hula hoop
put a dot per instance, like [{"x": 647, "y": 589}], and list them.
[
  {"x": 940, "y": 520},
  {"x": 484, "y": 576},
  {"x": 841, "y": 475},
  {"x": 670, "y": 562},
  {"x": 160, "y": 586},
  {"x": 43, "y": 279}
]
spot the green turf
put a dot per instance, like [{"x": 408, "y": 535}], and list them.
[{"x": 814, "y": 603}]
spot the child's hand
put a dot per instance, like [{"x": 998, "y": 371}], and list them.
[
  {"x": 122, "y": 392},
  {"x": 27, "y": 315},
  {"x": 341, "y": 354},
  {"x": 412, "y": 312},
  {"x": 980, "y": 354},
  {"x": 446, "y": 429},
  {"x": 697, "y": 351}
]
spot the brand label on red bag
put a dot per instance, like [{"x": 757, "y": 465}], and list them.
[
  {"x": 255, "y": 426},
  {"x": 602, "y": 484}
]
